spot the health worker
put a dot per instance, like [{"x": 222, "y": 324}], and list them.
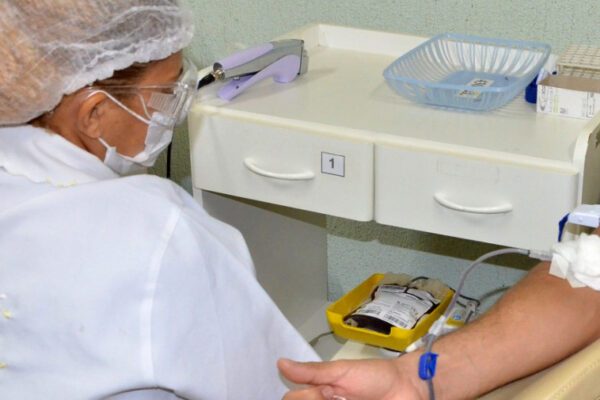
[{"x": 116, "y": 284}]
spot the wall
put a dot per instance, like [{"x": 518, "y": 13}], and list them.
[{"x": 357, "y": 249}]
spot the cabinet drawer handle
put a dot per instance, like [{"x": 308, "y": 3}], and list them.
[
  {"x": 500, "y": 209},
  {"x": 292, "y": 176}
]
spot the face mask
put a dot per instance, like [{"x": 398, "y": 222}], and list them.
[
  {"x": 158, "y": 137},
  {"x": 169, "y": 104}
]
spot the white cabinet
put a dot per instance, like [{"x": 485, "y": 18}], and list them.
[
  {"x": 280, "y": 163},
  {"x": 503, "y": 177},
  {"x": 339, "y": 141},
  {"x": 477, "y": 199}
]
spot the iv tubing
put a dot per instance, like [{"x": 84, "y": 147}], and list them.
[{"x": 433, "y": 335}]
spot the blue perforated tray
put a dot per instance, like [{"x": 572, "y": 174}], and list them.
[{"x": 468, "y": 72}]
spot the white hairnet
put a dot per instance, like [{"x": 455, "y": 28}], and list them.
[{"x": 49, "y": 48}]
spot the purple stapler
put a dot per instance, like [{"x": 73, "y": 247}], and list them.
[{"x": 282, "y": 60}]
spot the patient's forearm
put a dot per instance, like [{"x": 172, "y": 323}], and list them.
[{"x": 537, "y": 323}]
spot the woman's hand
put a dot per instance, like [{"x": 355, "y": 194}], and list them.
[{"x": 354, "y": 380}]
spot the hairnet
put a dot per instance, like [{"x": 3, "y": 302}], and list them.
[{"x": 49, "y": 48}]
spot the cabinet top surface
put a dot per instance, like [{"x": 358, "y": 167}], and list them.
[{"x": 344, "y": 89}]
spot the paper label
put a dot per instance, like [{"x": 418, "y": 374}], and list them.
[
  {"x": 566, "y": 102},
  {"x": 333, "y": 164},
  {"x": 398, "y": 305},
  {"x": 473, "y": 94}
]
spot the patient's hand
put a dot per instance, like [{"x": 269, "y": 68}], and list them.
[{"x": 354, "y": 380}]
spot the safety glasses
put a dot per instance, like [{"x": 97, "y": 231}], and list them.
[{"x": 172, "y": 100}]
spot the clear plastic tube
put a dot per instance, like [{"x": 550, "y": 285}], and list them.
[{"x": 434, "y": 331}]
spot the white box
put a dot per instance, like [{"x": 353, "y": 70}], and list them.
[{"x": 569, "y": 96}]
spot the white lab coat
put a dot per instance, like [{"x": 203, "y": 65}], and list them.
[{"x": 124, "y": 287}]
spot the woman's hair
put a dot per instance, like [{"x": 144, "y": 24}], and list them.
[
  {"x": 127, "y": 76},
  {"x": 124, "y": 77}
]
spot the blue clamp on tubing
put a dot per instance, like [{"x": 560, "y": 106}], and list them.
[
  {"x": 427, "y": 365},
  {"x": 561, "y": 226}
]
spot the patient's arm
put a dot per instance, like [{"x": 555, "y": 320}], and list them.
[{"x": 537, "y": 323}]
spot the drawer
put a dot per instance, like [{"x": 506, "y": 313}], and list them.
[
  {"x": 507, "y": 203},
  {"x": 296, "y": 166}
]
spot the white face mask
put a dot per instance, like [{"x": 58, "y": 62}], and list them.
[
  {"x": 158, "y": 137},
  {"x": 169, "y": 104}
]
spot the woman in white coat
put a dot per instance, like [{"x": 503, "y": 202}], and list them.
[{"x": 115, "y": 284}]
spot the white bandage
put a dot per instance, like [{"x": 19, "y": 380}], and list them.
[{"x": 578, "y": 261}]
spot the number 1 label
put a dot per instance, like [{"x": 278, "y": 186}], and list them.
[{"x": 333, "y": 164}]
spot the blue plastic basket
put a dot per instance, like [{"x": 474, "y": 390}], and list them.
[{"x": 468, "y": 72}]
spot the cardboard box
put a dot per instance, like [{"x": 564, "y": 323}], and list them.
[{"x": 569, "y": 96}]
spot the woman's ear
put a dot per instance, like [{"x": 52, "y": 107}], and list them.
[{"x": 90, "y": 113}]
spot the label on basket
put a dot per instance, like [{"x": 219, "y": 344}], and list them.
[
  {"x": 473, "y": 94},
  {"x": 398, "y": 305}
]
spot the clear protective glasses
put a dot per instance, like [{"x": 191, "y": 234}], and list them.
[{"x": 173, "y": 100}]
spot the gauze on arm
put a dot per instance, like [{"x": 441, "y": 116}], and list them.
[{"x": 578, "y": 261}]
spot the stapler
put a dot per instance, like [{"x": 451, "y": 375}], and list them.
[{"x": 283, "y": 60}]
